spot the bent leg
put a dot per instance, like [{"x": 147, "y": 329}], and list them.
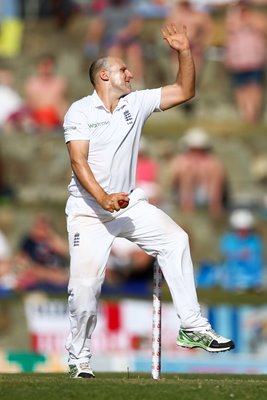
[{"x": 160, "y": 236}]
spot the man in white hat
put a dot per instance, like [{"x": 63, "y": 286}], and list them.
[
  {"x": 198, "y": 175},
  {"x": 242, "y": 251}
]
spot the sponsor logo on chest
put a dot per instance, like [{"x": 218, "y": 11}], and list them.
[{"x": 95, "y": 125}]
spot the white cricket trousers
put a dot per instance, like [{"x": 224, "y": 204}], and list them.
[{"x": 90, "y": 241}]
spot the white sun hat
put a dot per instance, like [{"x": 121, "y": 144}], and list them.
[
  {"x": 196, "y": 138},
  {"x": 242, "y": 219}
]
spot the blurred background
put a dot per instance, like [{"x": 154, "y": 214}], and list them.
[{"x": 204, "y": 163}]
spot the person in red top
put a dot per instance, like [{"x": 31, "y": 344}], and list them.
[
  {"x": 46, "y": 95},
  {"x": 147, "y": 173}
]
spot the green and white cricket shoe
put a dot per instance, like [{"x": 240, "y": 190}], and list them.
[
  {"x": 82, "y": 370},
  {"x": 206, "y": 339}
]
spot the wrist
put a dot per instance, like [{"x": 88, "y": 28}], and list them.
[
  {"x": 185, "y": 51},
  {"x": 100, "y": 196}
]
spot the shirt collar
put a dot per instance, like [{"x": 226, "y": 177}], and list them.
[{"x": 98, "y": 103}]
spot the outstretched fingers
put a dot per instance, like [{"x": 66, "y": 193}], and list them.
[
  {"x": 168, "y": 30},
  {"x": 171, "y": 29},
  {"x": 163, "y": 33},
  {"x": 176, "y": 36}
]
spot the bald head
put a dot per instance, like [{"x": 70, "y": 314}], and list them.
[
  {"x": 98, "y": 65},
  {"x": 111, "y": 76}
]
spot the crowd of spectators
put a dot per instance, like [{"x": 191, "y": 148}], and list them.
[
  {"x": 198, "y": 178},
  {"x": 115, "y": 27}
]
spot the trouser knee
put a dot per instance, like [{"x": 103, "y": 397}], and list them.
[
  {"x": 84, "y": 295},
  {"x": 178, "y": 241}
]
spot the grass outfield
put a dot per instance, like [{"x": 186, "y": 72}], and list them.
[{"x": 118, "y": 386}]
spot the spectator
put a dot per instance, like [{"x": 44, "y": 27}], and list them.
[
  {"x": 7, "y": 192},
  {"x": 11, "y": 267},
  {"x": 242, "y": 252},
  {"x": 147, "y": 173},
  {"x": 11, "y": 28},
  {"x": 7, "y": 280},
  {"x": 245, "y": 58},
  {"x": 198, "y": 176},
  {"x": 10, "y": 100},
  {"x": 117, "y": 29},
  {"x": 199, "y": 29},
  {"x": 97, "y": 6},
  {"x": 46, "y": 95},
  {"x": 61, "y": 10},
  {"x": 153, "y": 8},
  {"x": 44, "y": 254}
]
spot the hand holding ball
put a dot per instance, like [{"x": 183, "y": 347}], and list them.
[{"x": 123, "y": 203}]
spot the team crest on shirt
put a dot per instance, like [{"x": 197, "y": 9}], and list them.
[
  {"x": 76, "y": 240},
  {"x": 128, "y": 117}
]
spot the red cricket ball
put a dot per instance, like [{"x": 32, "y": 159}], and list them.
[{"x": 123, "y": 203}]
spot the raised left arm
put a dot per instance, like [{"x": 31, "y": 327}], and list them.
[{"x": 183, "y": 88}]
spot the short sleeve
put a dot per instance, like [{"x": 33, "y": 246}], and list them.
[
  {"x": 148, "y": 101},
  {"x": 75, "y": 124}
]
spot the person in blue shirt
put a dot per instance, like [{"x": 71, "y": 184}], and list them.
[{"x": 242, "y": 252}]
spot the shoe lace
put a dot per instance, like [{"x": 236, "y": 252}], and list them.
[
  {"x": 212, "y": 331},
  {"x": 85, "y": 365}
]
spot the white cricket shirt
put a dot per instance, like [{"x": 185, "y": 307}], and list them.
[{"x": 114, "y": 138}]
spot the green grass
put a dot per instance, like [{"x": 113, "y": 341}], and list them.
[{"x": 119, "y": 386}]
